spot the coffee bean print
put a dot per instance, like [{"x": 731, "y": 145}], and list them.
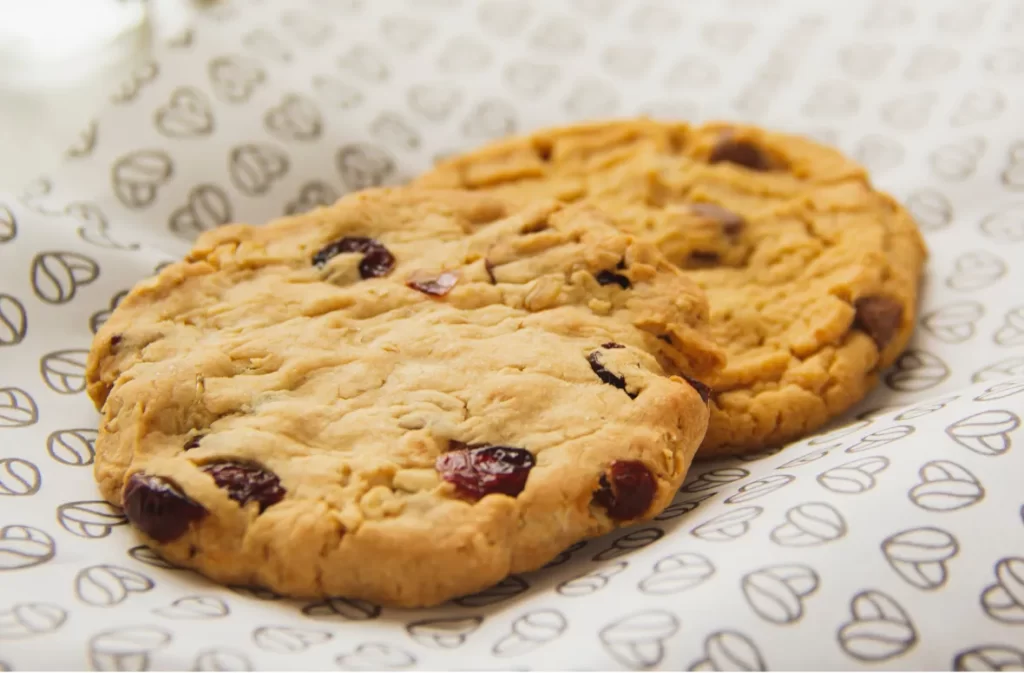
[
  {"x": 464, "y": 54},
  {"x": 931, "y": 209},
  {"x": 18, "y": 477},
  {"x": 288, "y": 639},
  {"x": 76, "y": 447},
  {"x": 592, "y": 581},
  {"x": 880, "y": 629},
  {"x": 186, "y": 115},
  {"x": 809, "y": 457},
  {"x": 444, "y": 633},
  {"x": 638, "y": 640},
  {"x": 930, "y": 61},
  {"x": 726, "y": 36},
  {"x": 957, "y": 161},
  {"x": 760, "y": 488},
  {"x": 730, "y": 651},
  {"x": 954, "y": 323},
  {"x": 137, "y": 177},
  {"x": 832, "y": 100},
  {"x": 24, "y": 547},
  {"x": 36, "y": 195},
  {"x": 221, "y": 660},
  {"x": 776, "y": 593},
  {"x": 182, "y": 40},
  {"x": 909, "y": 112},
  {"x": 865, "y": 61},
  {"x": 194, "y": 607},
  {"x": 365, "y": 63},
  {"x": 95, "y": 229},
  {"x": 693, "y": 73},
  {"x": 962, "y": 20},
  {"x": 946, "y": 486},
  {"x": 392, "y": 130},
  {"x": 1005, "y": 61},
  {"x": 13, "y": 320},
  {"x": 976, "y": 270},
  {"x": 713, "y": 479},
  {"x": 22, "y": 620},
  {"x": 433, "y": 102},
  {"x": 362, "y": 166},
  {"x": 878, "y": 153},
  {"x": 345, "y": 609},
  {"x": 264, "y": 44},
  {"x": 306, "y": 29},
  {"x": 8, "y": 224},
  {"x": 144, "y": 554},
  {"x": 677, "y": 573},
  {"x": 109, "y": 585},
  {"x": 235, "y": 78},
  {"x": 1005, "y": 225},
  {"x": 85, "y": 142},
  {"x": 312, "y": 195},
  {"x": 96, "y": 320},
  {"x": 64, "y": 371},
  {"x": 127, "y": 648},
  {"x": 490, "y": 119},
  {"x": 1008, "y": 367},
  {"x": 91, "y": 519},
  {"x": 855, "y": 476},
  {"x": 296, "y": 117},
  {"x": 1009, "y": 335},
  {"x": 919, "y": 556},
  {"x": 376, "y": 657},
  {"x": 654, "y": 19},
  {"x": 845, "y": 430},
  {"x": 888, "y": 16},
  {"x": 510, "y": 587},
  {"x": 17, "y": 408},
  {"x": 986, "y": 433},
  {"x": 529, "y": 632},
  {"x": 594, "y": 9},
  {"x": 140, "y": 76},
  {"x": 880, "y": 438},
  {"x": 503, "y": 18},
  {"x": 530, "y": 79},
  {"x": 255, "y": 168},
  {"x": 915, "y": 371},
  {"x": 1001, "y": 391},
  {"x": 989, "y": 658},
  {"x": 732, "y": 525},
  {"x": 637, "y": 539},
  {"x": 206, "y": 208},
  {"x": 678, "y": 509},
  {"x": 558, "y": 35},
  {"x": 809, "y": 525},
  {"x": 336, "y": 93},
  {"x": 1003, "y": 600},
  {"x": 1013, "y": 175},
  {"x": 627, "y": 61}
]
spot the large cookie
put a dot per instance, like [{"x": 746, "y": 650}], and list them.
[
  {"x": 812, "y": 275},
  {"x": 403, "y": 397}
]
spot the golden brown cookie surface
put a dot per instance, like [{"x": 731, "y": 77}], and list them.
[
  {"x": 402, "y": 397},
  {"x": 812, "y": 275}
]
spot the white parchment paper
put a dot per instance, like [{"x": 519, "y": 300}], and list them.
[{"x": 895, "y": 541}]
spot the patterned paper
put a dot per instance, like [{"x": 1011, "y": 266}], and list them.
[{"x": 896, "y": 540}]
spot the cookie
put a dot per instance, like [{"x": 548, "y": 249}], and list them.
[
  {"x": 403, "y": 397},
  {"x": 811, "y": 273}
]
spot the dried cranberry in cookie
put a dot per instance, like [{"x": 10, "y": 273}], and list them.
[
  {"x": 880, "y": 317},
  {"x": 377, "y": 260},
  {"x": 743, "y": 153},
  {"x": 605, "y": 375},
  {"x": 246, "y": 482},
  {"x": 626, "y": 490},
  {"x": 479, "y": 470},
  {"x": 158, "y": 508},
  {"x": 610, "y": 277}
]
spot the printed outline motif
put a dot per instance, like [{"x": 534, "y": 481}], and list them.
[
  {"x": 108, "y": 585},
  {"x": 729, "y": 651},
  {"x": 17, "y": 408},
  {"x": 337, "y": 93},
  {"x": 510, "y": 587},
  {"x": 945, "y": 486},
  {"x": 632, "y": 541},
  {"x": 126, "y": 648},
  {"x": 638, "y": 639},
  {"x": 13, "y": 320},
  {"x": 391, "y": 129},
  {"x": 313, "y": 194},
  {"x": 186, "y": 114},
  {"x": 24, "y": 547},
  {"x": 676, "y": 573},
  {"x": 931, "y": 209},
  {"x": 1000, "y": 391},
  {"x": 235, "y": 78},
  {"x": 92, "y": 519},
  {"x": 444, "y": 632},
  {"x": 976, "y": 270},
  {"x": 954, "y": 323},
  {"x": 925, "y": 408},
  {"x": 879, "y": 628},
  {"x": 714, "y": 478},
  {"x": 776, "y": 593},
  {"x": 63, "y": 371},
  {"x": 1006, "y": 225},
  {"x": 591, "y": 581},
  {"x": 919, "y": 555},
  {"x": 8, "y": 224},
  {"x": 144, "y": 554},
  {"x": 810, "y": 524},
  {"x": 64, "y": 273},
  {"x": 1012, "y": 366},
  {"x": 736, "y": 525},
  {"x": 916, "y": 370},
  {"x": 1003, "y": 600},
  {"x": 1011, "y": 333},
  {"x": 463, "y": 55},
  {"x": 206, "y": 207},
  {"x": 405, "y": 33},
  {"x": 138, "y": 176},
  {"x": 288, "y": 639},
  {"x": 363, "y": 165},
  {"x": 881, "y": 437},
  {"x": 565, "y": 555},
  {"x": 195, "y": 607},
  {"x": 989, "y": 658},
  {"x": 254, "y": 168},
  {"x": 490, "y": 119},
  {"x": 530, "y": 631},
  {"x": 375, "y": 656},
  {"x": 986, "y": 433},
  {"x": 853, "y": 477},
  {"x": 759, "y": 488},
  {"x": 434, "y": 102},
  {"x": 19, "y": 477},
  {"x": 221, "y": 660},
  {"x": 95, "y": 229},
  {"x": 296, "y": 117},
  {"x": 23, "y": 620},
  {"x": 501, "y": 17}
]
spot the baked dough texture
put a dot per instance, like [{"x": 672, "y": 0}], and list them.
[
  {"x": 812, "y": 274},
  {"x": 402, "y": 397}
]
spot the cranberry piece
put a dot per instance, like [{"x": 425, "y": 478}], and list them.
[
  {"x": 666, "y": 338},
  {"x": 437, "y": 285},
  {"x": 193, "y": 443},
  {"x": 703, "y": 389},
  {"x": 611, "y": 344},
  {"x": 602, "y": 373},
  {"x": 609, "y": 277},
  {"x": 703, "y": 258},
  {"x": 628, "y": 492},
  {"x": 246, "y": 482},
  {"x": 490, "y": 271},
  {"x": 880, "y": 317},
  {"x": 740, "y": 152},
  {"x": 115, "y": 340},
  {"x": 377, "y": 261},
  {"x": 732, "y": 223},
  {"x": 158, "y": 508},
  {"x": 477, "y": 471}
]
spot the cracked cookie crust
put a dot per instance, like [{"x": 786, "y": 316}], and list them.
[
  {"x": 812, "y": 275},
  {"x": 402, "y": 397}
]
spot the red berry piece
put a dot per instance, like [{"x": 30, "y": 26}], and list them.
[
  {"x": 880, "y": 317},
  {"x": 610, "y": 277},
  {"x": 627, "y": 490},
  {"x": 475, "y": 472},
  {"x": 246, "y": 482},
  {"x": 377, "y": 261},
  {"x": 612, "y": 344},
  {"x": 608, "y": 377},
  {"x": 740, "y": 152},
  {"x": 703, "y": 389},
  {"x": 158, "y": 508},
  {"x": 732, "y": 223},
  {"x": 434, "y": 284}
]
